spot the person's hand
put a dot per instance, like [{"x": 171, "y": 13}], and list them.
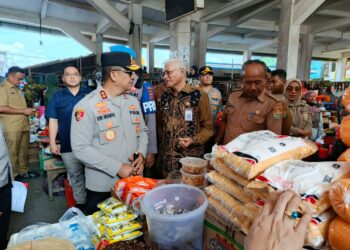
[
  {"x": 185, "y": 142},
  {"x": 125, "y": 170},
  {"x": 272, "y": 229},
  {"x": 138, "y": 165},
  {"x": 150, "y": 160},
  {"x": 55, "y": 149},
  {"x": 28, "y": 111}
]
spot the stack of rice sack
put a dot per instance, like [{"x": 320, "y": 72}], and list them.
[
  {"x": 339, "y": 229},
  {"x": 240, "y": 187},
  {"x": 115, "y": 222}
]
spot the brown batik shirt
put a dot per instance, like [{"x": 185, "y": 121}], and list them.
[{"x": 184, "y": 114}]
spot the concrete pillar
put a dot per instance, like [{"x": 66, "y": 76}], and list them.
[
  {"x": 288, "y": 40},
  {"x": 305, "y": 56},
  {"x": 135, "y": 39},
  {"x": 339, "y": 70},
  {"x": 180, "y": 39},
  {"x": 200, "y": 41},
  {"x": 247, "y": 55},
  {"x": 99, "y": 48},
  {"x": 150, "y": 49}
]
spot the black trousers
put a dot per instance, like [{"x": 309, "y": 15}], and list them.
[
  {"x": 5, "y": 213},
  {"x": 92, "y": 199}
]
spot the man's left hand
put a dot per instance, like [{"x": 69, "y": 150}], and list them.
[
  {"x": 185, "y": 142},
  {"x": 138, "y": 165}
]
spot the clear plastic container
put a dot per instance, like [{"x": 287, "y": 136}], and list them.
[
  {"x": 208, "y": 157},
  {"x": 196, "y": 180},
  {"x": 193, "y": 165},
  {"x": 178, "y": 231}
]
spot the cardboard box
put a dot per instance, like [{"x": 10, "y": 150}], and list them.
[{"x": 218, "y": 234}]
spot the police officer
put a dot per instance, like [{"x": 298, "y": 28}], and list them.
[
  {"x": 108, "y": 129},
  {"x": 250, "y": 108}
]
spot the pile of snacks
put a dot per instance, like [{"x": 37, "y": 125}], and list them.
[
  {"x": 128, "y": 245},
  {"x": 130, "y": 189},
  {"x": 115, "y": 222},
  {"x": 239, "y": 191},
  {"x": 193, "y": 171}
]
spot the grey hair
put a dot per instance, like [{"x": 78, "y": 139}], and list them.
[{"x": 179, "y": 63}]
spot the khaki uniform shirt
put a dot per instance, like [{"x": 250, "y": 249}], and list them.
[
  {"x": 105, "y": 132},
  {"x": 186, "y": 114},
  {"x": 215, "y": 102},
  {"x": 12, "y": 97},
  {"x": 301, "y": 116},
  {"x": 243, "y": 114}
]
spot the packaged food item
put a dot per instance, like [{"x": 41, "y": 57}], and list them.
[
  {"x": 240, "y": 223},
  {"x": 220, "y": 166},
  {"x": 112, "y": 206},
  {"x": 193, "y": 165},
  {"x": 252, "y": 153},
  {"x": 339, "y": 196},
  {"x": 317, "y": 231},
  {"x": 122, "y": 228},
  {"x": 197, "y": 180},
  {"x": 44, "y": 244},
  {"x": 338, "y": 234},
  {"x": 344, "y": 130},
  {"x": 97, "y": 215},
  {"x": 228, "y": 186},
  {"x": 113, "y": 220},
  {"x": 345, "y": 156},
  {"x": 310, "y": 179},
  {"x": 125, "y": 236},
  {"x": 131, "y": 188},
  {"x": 128, "y": 245}
]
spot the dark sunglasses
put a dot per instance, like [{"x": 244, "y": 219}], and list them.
[
  {"x": 293, "y": 88},
  {"x": 129, "y": 72}
]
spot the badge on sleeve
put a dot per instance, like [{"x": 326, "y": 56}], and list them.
[
  {"x": 100, "y": 105},
  {"x": 277, "y": 114},
  {"x": 79, "y": 114},
  {"x": 103, "y": 95},
  {"x": 188, "y": 115},
  {"x": 110, "y": 135}
]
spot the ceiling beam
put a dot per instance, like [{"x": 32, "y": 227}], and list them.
[
  {"x": 25, "y": 18},
  {"x": 263, "y": 44},
  {"x": 334, "y": 34},
  {"x": 246, "y": 15},
  {"x": 156, "y": 24},
  {"x": 256, "y": 24},
  {"x": 305, "y": 8},
  {"x": 217, "y": 10},
  {"x": 44, "y": 9},
  {"x": 215, "y": 30},
  {"x": 72, "y": 4},
  {"x": 153, "y": 4},
  {"x": 333, "y": 24},
  {"x": 103, "y": 26},
  {"x": 250, "y": 34},
  {"x": 341, "y": 45},
  {"x": 337, "y": 13},
  {"x": 161, "y": 35},
  {"x": 113, "y": 15}
]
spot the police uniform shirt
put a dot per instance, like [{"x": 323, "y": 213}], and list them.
[
  {"x": 243, "y": 114},
  {"x": 215, "y": 101},
  {"x": 105, "y": 132},
  {"x": 12, "y": 96},
  {"x": 61, "y": 108}
]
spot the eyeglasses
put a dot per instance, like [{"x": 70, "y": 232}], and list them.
[
  {"x": 129, "y": 72},
  {"x": 72, "y": 75},
  {"x": 290, "y": 89}
]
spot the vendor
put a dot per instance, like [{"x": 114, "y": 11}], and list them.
[
  {"x": 108, "y": 128},
  {"x": 300, "y": 110}
]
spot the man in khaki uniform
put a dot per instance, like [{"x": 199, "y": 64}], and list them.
[
  {"x": 108, "y": 129},
  {"x": 185, "y": 117},
  {"x": 250, "y": 108},
  {"x": 14, "y": 118}
]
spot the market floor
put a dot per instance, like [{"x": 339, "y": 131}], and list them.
[{"x": 38, "y": 207}]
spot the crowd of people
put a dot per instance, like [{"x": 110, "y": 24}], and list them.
[{"x": 108, "y": 133}]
